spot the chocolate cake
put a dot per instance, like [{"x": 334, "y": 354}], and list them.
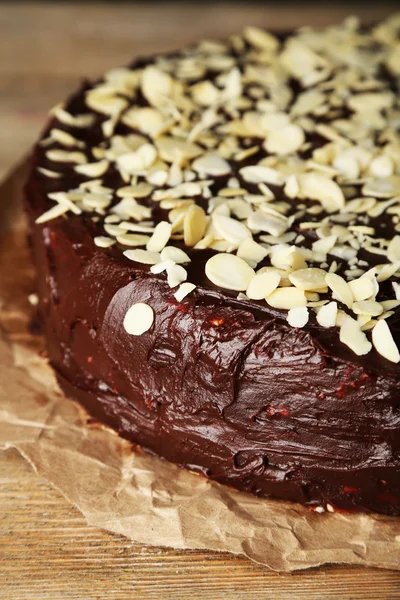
[{"x": 216, "y": 234}]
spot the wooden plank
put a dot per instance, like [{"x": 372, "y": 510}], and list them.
[{"x": 47, "y": 551}]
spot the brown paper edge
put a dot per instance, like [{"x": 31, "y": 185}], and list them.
[{"x": 128, "y": 491}]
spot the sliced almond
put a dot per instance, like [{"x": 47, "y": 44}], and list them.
[
  {"x": 230, "y": 229},
  {"x": 211, "y": 164},
  {"x": 251, "y": 252},
  {"x": 340, "y": 288},
  {"x": 308, "y": 279},
  {"x": 229, "y": 272},
  {"x": 175, "y": 254},
  {"x": 176, "y": 275},
  {"x": 367, "y": 307},
  {"x": 274, "y": 225},
  {"x": 144, "y": 257},
  {"x": 298, "y": 317},
  {"x": 140, "y": 190},
  {"x": 133, "y": 239},
  {"x": 138, "y": 319},
  {"x": 141, "y": 159},
  {"x": 96, "y": 169},
  {"x": 66, "y": 156},
  {"x": 184, "y": 290},
  {"x": 384, "y": 343},
  {"x": 287, "y": 298},
  {"x": 52, "y": 213},
  {"x": 315, "y": 186},
  {"x": 327, "y": 315},
  {"x": 362, "y": 288},
  {"x": 352, "y": 336},
  {"x": 285, "y": 141},
  {"x": 387, "y": 271},
  {"x": 172, "y": 149},
  {"x": 160, "y": 237},
  {"x": 194, "y": 225},
  {"x": 394, "y": 249},
  {"x": 261, "y": 174},
  {"x": 263, "y": 284},
  {"x": 103, "y": 241}
]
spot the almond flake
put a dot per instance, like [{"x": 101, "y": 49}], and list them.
[
  {"x": 389, "y": 304},
  {"x": 79, "y": 121},
  {"x": 64, "y": 138},
  {"x": 65, "y": 156},
  {"x": 251, "y": 252},
  {"x": 325, "y": 245},
  {"x": 261, "y": 174},
  {"x": 176, "y": 275},
  {"x": 314, "y": 186},
  {"x": 352, "y": 336},
  {"x": 287, "y": 298},
  {"x": 172, "y": 149},
  {"x": 138, "y": 319},
  {"x": 367, "y": 307},
  {"x": 184, "y": 290},
  {"x": 274, "y": 225},
  {"x": 387, "y": 271},
  {"x": 103, "y": 241},
  {"x": 114, "y": 230},
  {"x": 327, "y": 315},
  {"x": 144, "y": 257},
  {"x": 52, "y": 213},
  {"x": 133, "y": 162},
  {"x": 308, "y": 279},
  {"x": 382, "y": 187},
  {"x": 160, "y": 237},
  {"x": 285, "y": 141},
  {"x": 49, "y": 173},
  {"x": 362, "y": 288},
  {"x": 162, "y": 266},
  {"x": 96, "y": 169},
  {"x": 147, "y": 120},
  {"x": 211, "y": 164},
  {"x": 384, "y": 343},
  {"x": 292, "y": 187},
  {"x": 263, "y": 284},
  {"x": 298, "y": 317},
  {"x": 229, "y": 272},
  {"x": 396, "y": 289},
  {"x": 230, "y": 229},
  {"x": 141, "y": 190},
  {"x": 261, "y": 39},
  {"x": 175, "y": 254},
  {"x": 133, "y": 239},
  {"x": 340, "y": 288},
  {"x": 156, "y": 86},
  {"x": 194, "y": 225},
  {"x": 393, "y": 251}
]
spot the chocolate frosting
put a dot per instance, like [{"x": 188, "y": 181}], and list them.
[{"x": 222, "y": 386}]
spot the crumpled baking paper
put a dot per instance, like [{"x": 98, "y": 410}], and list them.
[{"x": 127, "y": 491}]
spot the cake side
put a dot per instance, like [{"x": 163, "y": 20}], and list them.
[{"x": 221, "y": 384}]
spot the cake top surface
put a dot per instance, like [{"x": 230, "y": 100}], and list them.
[{"x": 265, "y": 166}]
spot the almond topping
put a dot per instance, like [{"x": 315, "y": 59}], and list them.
[
  {"x": 229, "y": 272},
  {"x": 138, "y": 319}
]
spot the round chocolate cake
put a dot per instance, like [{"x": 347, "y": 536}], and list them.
[{"x": 216, "y": 234}]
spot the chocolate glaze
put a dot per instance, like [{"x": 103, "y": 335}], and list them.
[{"x": 218, "y": 385}]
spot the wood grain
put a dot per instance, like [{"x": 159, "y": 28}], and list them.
[{"x": 47, "y": 551}]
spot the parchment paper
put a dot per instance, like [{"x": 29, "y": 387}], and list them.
[{"x": 123, "y": 489}]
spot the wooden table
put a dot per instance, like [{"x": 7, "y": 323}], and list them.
[{"x": 47, "y": 551}]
